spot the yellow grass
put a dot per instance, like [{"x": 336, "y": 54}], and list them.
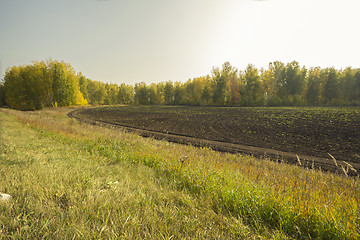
[{"x": 273, "y": 199}]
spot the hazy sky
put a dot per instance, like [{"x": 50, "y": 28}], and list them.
[{"x": 158, "y": 40}]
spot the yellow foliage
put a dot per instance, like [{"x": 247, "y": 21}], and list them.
[{"x": 80, "y": 100}]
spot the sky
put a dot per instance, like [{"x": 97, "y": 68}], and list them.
[{"x": 132, "y": 41}]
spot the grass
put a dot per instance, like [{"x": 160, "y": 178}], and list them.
[{"x": 71, "y": 180}]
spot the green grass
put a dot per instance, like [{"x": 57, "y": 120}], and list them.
[
  {"x": 63, "y": 188},
  {"x": 74, "y": 180}
]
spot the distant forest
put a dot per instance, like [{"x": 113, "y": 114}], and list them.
[{"x": 53, "y": 83}]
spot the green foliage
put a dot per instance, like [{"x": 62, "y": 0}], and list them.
[
  {"x": 41, "y": 84},
  {"x": 142, "y": 94},
  {"x": 83, "y": 83},
  {"x": 24, "y": 88},
  {"x": 155, "y": 96},
  {"x": 331, "y": 87},
  {"x": 96, "y": 92},
  {"x": 76, "y": 188},
  {"x": 179, "y": 92},
  {"x": 111, "y": 96},
  {"x": 65, "y": 85},
  {"x": 349, "y": 88},
  {"x": 2, "y": 95},
  {"x": 56, "y": 84},
  {"x": 205, "y": 96},
  {"x": 253, "y": 89},
  {"x": 314, "y": 94},
  {"x": 357, "y": 87},
  {"x": 90, "y": 182},
  {"x": 169, "y": 93},
  {"x": 125, "y": 94},
  {"x": 14, "y": 91},
  {"x": 220, "y": 84}
]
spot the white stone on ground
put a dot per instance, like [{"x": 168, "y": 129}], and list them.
[{"x": 5, "y": 197}]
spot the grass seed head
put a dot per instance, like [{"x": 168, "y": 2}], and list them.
[
  {"x": 334, "y": 160},
  {"x": 350, "y": 166},
  {"x": 298, "y": 159}
]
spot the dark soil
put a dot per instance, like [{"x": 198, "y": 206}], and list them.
[{"x": 315, "y": 132}]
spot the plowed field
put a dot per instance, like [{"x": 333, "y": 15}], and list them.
[{"x": 302, "y": 131}]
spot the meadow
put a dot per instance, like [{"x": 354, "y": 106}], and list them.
[
  {"x": 316, "y": 134},
  {"x": 72, "y": 180}
]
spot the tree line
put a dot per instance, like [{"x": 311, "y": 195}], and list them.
[
  {"x": 40, "y": 85},
  {"x": 54, "y": 83}
]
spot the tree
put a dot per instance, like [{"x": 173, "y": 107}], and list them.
[
  {"x": 125, "y": 94},
  {"x": 32, "y": 84},
  {"x": 292, "y": 84},
  {"x": 23, "y": 88},
  {"x": 142, "y": 95},
  {"x": 357, "y": 86},
  {"x": 294, "y": 80},
  {"x": 96, "y": 92},
  {"x": 14, "y": 89},
  {"x": 205, "y": 96},
  {"x": 220, "y": 86},
  {"x": 253, "y": 89},
  {"x": 193, "y": 90},
  {"x": 111, "y": 94},
  {"x": 278, "y": 87},
  {"x": 2, "y": 95},
  {"x": 154, "y": 97},
  {"x": 233, "y": 89},
  {"x": 169, "y": 93},
  {"x": 42, "y": 84},
  {"x": 331, "y": 87},
  {"x": 54, "y": 83},
  {"x": 348, "y": 87},
  {"x": 314, "y": 94},
  {"x": 178, "y": 93},
  {"x": 83, "y": 83},
  {"x": 160, "y": 87},
  {"x": 65, "y": 86},
  {"x": 267, "y": 78}
]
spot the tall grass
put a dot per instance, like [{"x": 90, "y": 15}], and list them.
[{"x": 271, "y": 198}]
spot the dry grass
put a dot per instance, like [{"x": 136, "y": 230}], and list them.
[{"x": 274, "y": 199}]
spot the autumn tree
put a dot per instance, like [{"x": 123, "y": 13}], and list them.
[
  {"x": 267, "y": 77},
  {"x": 179, "y": 91},
  {"x": 111, "y": 94},
  {"x": 331, "y": 87},
  {"x": 160, "y": 88},
  {"x": 2, "y": 95},
  {"x": 314, "y": 94},
  {"x": 65, "y": 86},
  {"x": 83, "y": 83},
  {"x": 220, "y": 83},
  {"x": 294, "y": 83},
  {"x": 253, "y": 91},
  {"x": 142, "y": 95},
  {"x": 169, "y": 93},
  {"x": 25, "y": 88},
  {"x": 357, "y": 87},
  {"x": 153, "y": 95},
  {"x": 205, "y": 96},
  {"x": 278, "y": 90},
  {"x": 193, "y": 90},
  {"x": 125, "y": 94},
  {"x": 96, "y": 92},
  {"x": 348, "y": 86},
  {"x": 53, "y": 83},
  {"x": 14, "y": 89}
]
